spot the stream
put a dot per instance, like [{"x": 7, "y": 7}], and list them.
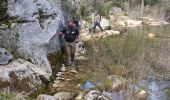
[{"x": 158, "y": 89}]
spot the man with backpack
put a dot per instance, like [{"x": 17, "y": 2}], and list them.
[
  {"x": 97, "y": 19},
  {"x": 71, "y": 36},
  {"x": 76, "y": 20}
]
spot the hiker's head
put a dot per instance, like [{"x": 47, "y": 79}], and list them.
[{"x": 70, "y": 23}]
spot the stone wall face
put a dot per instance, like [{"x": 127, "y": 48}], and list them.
[{"x": 31, "y": 30}]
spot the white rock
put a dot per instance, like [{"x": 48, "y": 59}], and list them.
[
  {"x": 79, "y": 96},
  {"x": 36, "y": 37},
  {"x": 74, "y": 71},
  {"x": 142, "y": 95},
  {"x": 60, "y": 78},
  {"x": 46, "y": 97},
  {"x": 59, "y": 74},
  {"x": 64, "y": 96},
  {"x": 22, "y": 70},
  {"x": 63, "y": 69},
  {"x": 55, "y": 85},
  {"x": 68, "y": 80},
  {"x": 151, "y": 35},
  {"x": 133, "y": 23}
]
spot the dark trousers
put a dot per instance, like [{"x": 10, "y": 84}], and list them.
[{"x": 96, "y": 24}]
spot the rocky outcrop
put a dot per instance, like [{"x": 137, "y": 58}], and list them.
[
  {"x": 5, "y": 56},
  {"x": 21, "y": 75},
  {"x": 33, "y": 25}
]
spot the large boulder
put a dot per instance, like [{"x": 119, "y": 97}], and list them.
[
  {"x": 5, "y": 56},
  {"x": 32, "y": 30},
  {"x": 22, "y": 75},
  {"x": 105, "y": 23}
]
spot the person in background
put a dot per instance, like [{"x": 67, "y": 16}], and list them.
[
  {"x": 76, "y": 20},
  {"x": 71, "y": 36},
  {"x": 97, "y": 19}
]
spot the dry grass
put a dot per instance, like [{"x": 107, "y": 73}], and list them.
[{"x": 134, "y": 56}]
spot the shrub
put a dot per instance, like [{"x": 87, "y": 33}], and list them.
[{"x": 6, "y": 96}]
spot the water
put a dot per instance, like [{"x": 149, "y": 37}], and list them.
[{"x": 158, "y": 89}]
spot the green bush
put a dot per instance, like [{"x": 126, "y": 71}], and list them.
[
  {"x": 6, "y": 96},
  {"x": 84, "y": 10}
]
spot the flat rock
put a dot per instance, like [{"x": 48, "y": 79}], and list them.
[
  {"x": 65, "y": 96},
  {"x": 46, "y": 97}
]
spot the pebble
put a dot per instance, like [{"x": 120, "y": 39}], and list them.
[
  {"x": 59, "y": 74},
  {"x": 78, "y": 85},
  {"x": 68, "y": 79}
]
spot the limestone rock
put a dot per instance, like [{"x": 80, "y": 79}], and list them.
[
  {"x": 156, "y": 23},
  {"x": 34, "y": 32},
  {"x": 65, "y": 96},
  {"x": 5, "y": 56},
  {"x": 63, "y": 68},
  {"x": 46, "y": 97},
  {"x": 105, "y": 24},
  {"x": 79, "y": 96},
  {"x": 142, "y": 95},
  {"x": 59, "y": 74},
  {"x": 133, "y": 23},
  {"x": 73, "y": 71},
  {"x": 19, "y": 70}
]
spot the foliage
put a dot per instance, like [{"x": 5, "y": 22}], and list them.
[
  {"x": 84, "y": 9},
  {"x": 134, "y": 56},
  {"x": 6, "y": 96}
]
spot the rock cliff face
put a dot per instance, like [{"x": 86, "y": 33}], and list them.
[{"x": 30, "y": 31}]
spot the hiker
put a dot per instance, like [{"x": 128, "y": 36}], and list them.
[
  {"x": 71, "y": 36},
  {"x": 76, "y": 21},
  {"x": 97, "y": 19}
]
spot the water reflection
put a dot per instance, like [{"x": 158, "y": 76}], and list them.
[{"x": 157, "y": 89}]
